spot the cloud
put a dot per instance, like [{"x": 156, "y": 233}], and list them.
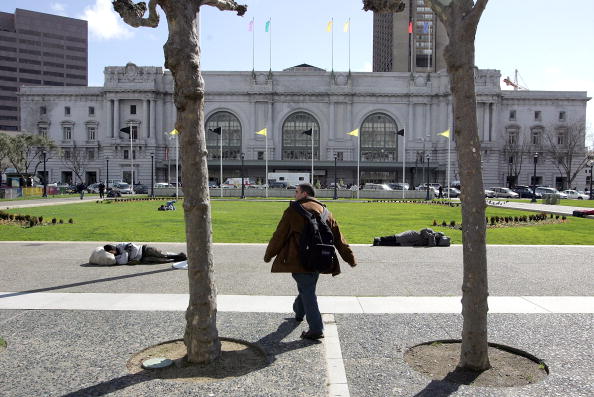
[
  {"x": 104, "y": 22},
  {"x": 58, "y": 8}
]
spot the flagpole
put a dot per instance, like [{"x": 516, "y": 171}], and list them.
[
  {"x": 349, "y": 45},
  {"x": 266, "y": 158},
  {"x": 177, "y": 166},
  {"x": 448, "y": 173},
  {"x": 403, "y": 163},
  {"x": 221, "y": 159},
  {"x": 131, "y": 161},
  {"x": 253, "y": 46},
  {"x": 270, "y": 54},
  {"x": 312, "y": 157},
  {"x": 358, "y": 160},
  {"x": 332, "y": 43}
]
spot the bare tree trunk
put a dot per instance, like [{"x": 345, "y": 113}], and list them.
[
  {"x": 182, "y": 57},
  {"x": 461, "y": 18}
]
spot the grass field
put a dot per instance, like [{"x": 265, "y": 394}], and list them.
[{"x": 255, "y": 221}]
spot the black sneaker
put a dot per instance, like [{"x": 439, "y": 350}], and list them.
[{"x": 312, "y": 335}]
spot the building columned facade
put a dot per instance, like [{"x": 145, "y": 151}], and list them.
[{"x": 85, "y": 123}]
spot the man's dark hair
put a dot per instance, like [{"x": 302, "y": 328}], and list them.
[
  {"x": 109, "y": 247},
  {"x": 307, "y": 188}
]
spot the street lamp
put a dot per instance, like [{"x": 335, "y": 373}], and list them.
[
  {"x": 428, "y": 165},
  {"x": 591, "y": 164},
  {"x": 242, "y": 156},
  {"x": 152, "y": 175},
  {"x": 335, "y": 187},
  {"x": 107, "y": 176},
  {"x": 45, "y": 174},
  {"x": 534, "y": 179}
]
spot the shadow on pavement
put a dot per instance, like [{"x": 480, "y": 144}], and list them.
[
  {"x": 448, "y": 385},
  {"x": 272, "y": 344},
  {"x": 100, "y": 280}
]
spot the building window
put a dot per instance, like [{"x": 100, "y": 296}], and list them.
[
  {"x": 297, "y": 145},
  {"x": 132, "y": 109},
  {"x": 513, "y": 134},
  {"x": 260, "y": 155},
  {"x": 230, "y": 135},
  {"x": 562, "y": 116},
  {"x": 378, "y": 138},
  {"x": 91, "y": 155},
  {"x": 67, "y": 133},
  {"x": 91, "y": 110},
  {"x": 42, "y": 130},
  {"x": 535, "y": 135},
  {"x": 339, "y": 156},
  {"x": 512, "y": 115},
  {"x": 134, "y": 132},
  {"x": 91, "y": 133},
  {"x": 42, "y": 110},
  {"x": 66, "y": 154},
  {"x": 126, "y": 155},
  {"x": 537, "y": 115},
  {"x": 66, "y": 110},
  {"x": 561, "y": 137}
]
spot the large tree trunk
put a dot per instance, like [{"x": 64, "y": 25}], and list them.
[
  {"x": 182, "y": 57},
  {"x": 461, "y": 18}
]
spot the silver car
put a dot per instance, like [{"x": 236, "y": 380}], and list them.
[
  {"x": 122, "y": 188},
  {"x": 504, "y": 192}
]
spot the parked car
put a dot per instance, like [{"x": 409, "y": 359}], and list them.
[
  {"x": 93, "y": 188},
  {"x": 431, "y": 189},
  {"x": 122, "y": 188},
  {"x": 504, "y": 192},
  {"x": 525, "y": 192},
  {"x": 162, "y": 184},
  {"x": 277, "y": 185},
  {"x": 212, "y": 184},
  {"x": 453, "y": 192},
  {"x": 542, "y": 190},
  {"x": 575, "y": 195},
  {"x": 139, "y": 188},
  {"x": 433, "y": 185},
  {"x": 376, "y": 186},
  {"x": 399, "y": 186},
  {"x": 489, "y": 193}
]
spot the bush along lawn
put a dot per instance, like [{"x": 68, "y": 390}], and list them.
[{"x": 244, "y": 221}]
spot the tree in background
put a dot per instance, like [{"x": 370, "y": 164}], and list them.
[
  {"x": 514, "y": 151},
  {"x": 75, "y": 159},
  {"x": 182, "y": 58},
  {"x": 24, "y": 152},
  {"x": 565, "y": 146}
]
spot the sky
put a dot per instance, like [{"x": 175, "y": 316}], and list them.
[{"x": 550, "y": 43}]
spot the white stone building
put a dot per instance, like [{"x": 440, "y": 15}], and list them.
[{"x": 88, "y": 119}]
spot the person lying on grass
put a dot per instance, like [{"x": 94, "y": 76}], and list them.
[{"x": 133, "y": 254}]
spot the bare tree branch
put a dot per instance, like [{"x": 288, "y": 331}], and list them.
[
  {"x": 226, "y": 5},
  {"x": 384, "y": 6},
  {"x": 132, "y": 13}
]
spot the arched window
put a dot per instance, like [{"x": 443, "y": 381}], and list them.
[
  {"x": 230, "y": 132},
  {"x": 297, "y": 144},
  {"x": 536, "y": 135},
  {"x": 513, "y": 135},
  {"x": 378, "y": 138}
]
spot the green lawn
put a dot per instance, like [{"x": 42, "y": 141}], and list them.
[{"x": 254, "y": 222}]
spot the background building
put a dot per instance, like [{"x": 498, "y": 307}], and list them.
[
  {"x": 85, "y": 123},
  {"x": 38, "y": 49},
  {"x": 407, "y": 41}
]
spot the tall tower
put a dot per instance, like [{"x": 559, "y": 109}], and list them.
[
  {"x": 38, "y": 49},
  {"x": 397, "y": 49}
]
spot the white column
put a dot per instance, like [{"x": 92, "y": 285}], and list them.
[
  {"x": 145, "y": 118},
  {"x": 153, "y": 118},
  {"x": 116, "y": 118}
]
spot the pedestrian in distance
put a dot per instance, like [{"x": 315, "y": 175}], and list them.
[
  {"x": 101, "y": 189},
  {"x": 133, "y": 254},
  {"x": 286, "y": 247},
  {"x": 440, "y": 192},
  {"x": 80, "y": 188}
]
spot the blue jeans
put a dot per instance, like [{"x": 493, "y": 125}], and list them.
[{"x": 306, "y": 303}]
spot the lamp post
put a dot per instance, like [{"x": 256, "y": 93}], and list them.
[
  {"x": 534, "y": 179},
  {"x": 427, "y": 187},
  {"x": 591, "y": 164},
  {"x": 107, "y": 176},
  {"x": 242, "y": 156},
  {"x": 335, "y": 187},
  {"x": 152, "y": 175},
  {"x": 45, "y": 174}
]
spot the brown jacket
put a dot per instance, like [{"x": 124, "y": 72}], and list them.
[{"x": 284, "y": 243}]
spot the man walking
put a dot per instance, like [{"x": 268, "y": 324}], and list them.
[
  {"x": 284, "y": 245},
  {"x": 101, "y": 189}
]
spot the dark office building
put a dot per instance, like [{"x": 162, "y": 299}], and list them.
[{"x": 38, "y": 49}]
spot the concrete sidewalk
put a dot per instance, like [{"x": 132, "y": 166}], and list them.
[
  {"x": 538, "y": 207},
  {"x": 71, "y": 328}
]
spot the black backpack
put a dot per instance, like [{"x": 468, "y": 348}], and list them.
[{"x": 316, "y": 246}]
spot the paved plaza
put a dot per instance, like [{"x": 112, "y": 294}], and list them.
[{"x": 72, "y": 327}]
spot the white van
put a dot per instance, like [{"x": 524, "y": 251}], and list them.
[{"x": 376, "y": 186}]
